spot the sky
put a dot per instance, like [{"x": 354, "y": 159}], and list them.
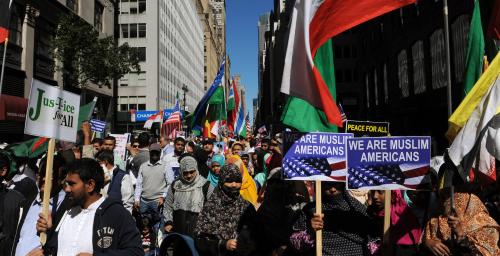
[{"x": 242, "y": 17}]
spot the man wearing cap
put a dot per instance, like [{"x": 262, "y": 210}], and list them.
[{"x": 151, "y": 185}]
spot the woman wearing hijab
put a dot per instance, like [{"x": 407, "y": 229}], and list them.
[
  {"x": 248, "y": 188},
  {"x": 222, "y": 224},
  {"x": 185, "y": 198},
  {"x": 345, "y": 225},
  {"x": 468, "y": 230},
  {"x": 213, "y": 175}
]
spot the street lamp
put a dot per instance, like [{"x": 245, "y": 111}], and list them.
[{"x": 185, "y": 90}]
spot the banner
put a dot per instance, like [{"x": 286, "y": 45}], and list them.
[
  {"x": 121, "y": 144},
  {"x": 143, "y": 115},
  {"x": 97, "y": 125},
  {"x": 315, "y": 156},
  {"x": 367, "y": 128},
  {"x": 52, "y": 112},
  {"x": 388, "y": 163}
]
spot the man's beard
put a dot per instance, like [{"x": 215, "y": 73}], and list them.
[{"x": 77, "y": 201}]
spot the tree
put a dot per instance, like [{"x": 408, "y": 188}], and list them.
[{"x": 82, "y": 57}]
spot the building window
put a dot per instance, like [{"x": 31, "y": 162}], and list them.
[
  {"x": 98, "y": 11},
  {"x": 141, "y": 106},
  {"x": 142, "y": 29},
  {"x": 16, "y": 25},
  {"x": 133, "y": 30},
  {"x": 72, "y": 5},
  {"x": 438, "y": 59},
  {"x": 124, "y": 85},
  {"x": 133, "y": 6},
  {"x": 142, "y": 6},
  {"x": 139, "y": 53},
  {"x": 403, "y": 73},
  {"x": 417, "y": 51},
  {"x": 386, "y": 85},
  {"x": 123, "y": 107},
  {"x": 124, "y": 28},
  {"x": 460, "y": 34}
]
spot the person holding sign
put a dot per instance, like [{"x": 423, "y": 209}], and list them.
[
  {"x": 465, "y": 229},
  {"x": 95, "y": 225},
  {"x": 344, "y": 223}
]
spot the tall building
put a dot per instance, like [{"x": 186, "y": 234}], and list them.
[
  {"x": 32, "y": 25},
  {"x": 212, "y": 45},
  {"x": 263, "y": 26},
  {"x": 168, "y": 36}
]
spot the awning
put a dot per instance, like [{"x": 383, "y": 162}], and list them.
[{"x": 13, "y": 108}]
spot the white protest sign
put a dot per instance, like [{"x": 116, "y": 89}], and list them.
[
  {"x": 52, "y": 112},
  {"x": 121, "y": 144}
]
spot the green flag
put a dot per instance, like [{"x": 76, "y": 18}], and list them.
[
  {"x": 86, "y": 112},
  {"x": 302, "y": 115},
  {"x": 217, "y": 97},
  {"x": 475, "y": 50}
]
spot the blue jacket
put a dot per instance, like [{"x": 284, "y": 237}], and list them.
[{"x": 115, "y": 187}]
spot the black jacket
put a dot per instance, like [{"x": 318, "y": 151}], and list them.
[
  {"x": 115, "y": 232},
  {"x": 11, "y": 201}
]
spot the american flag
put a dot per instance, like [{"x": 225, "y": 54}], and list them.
[
  {"x": 303, "y": 167},
  {"x": 403, "y": 176},
  {"x": 247, "y": 120},
  {"x": 173, "y": 124}
]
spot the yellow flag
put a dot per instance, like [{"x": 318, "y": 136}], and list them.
[{"x": 473, "y": 98}]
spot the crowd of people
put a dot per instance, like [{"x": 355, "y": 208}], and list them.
[{"x": 200, "y": 196}]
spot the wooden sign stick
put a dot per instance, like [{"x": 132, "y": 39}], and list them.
[
  {"x": 387, "y": 223},
  {"x": 47, "y": 186},
  {"x": 319, "y": 234}
]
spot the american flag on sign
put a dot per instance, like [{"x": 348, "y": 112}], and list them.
[
  {"x": 403, "y": 176},
  {"x": 297, "y": 167},
  {"x": 173, "y": 124}
]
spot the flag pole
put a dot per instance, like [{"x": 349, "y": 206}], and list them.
[
  {"x": 319, "y": 234},
  {"x": 47, "y": 187},
  {"x": 448, "y": 64},
  {"x": 3, "y": 62}
]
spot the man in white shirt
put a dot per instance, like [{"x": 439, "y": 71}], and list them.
[
  {"x": 171, "y": 160},
  {"x": 94, "y": 225}
]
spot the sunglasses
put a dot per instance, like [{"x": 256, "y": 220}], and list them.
[
  {"x": 135, "y": 146},
  {"x": 274, "y": 144}
]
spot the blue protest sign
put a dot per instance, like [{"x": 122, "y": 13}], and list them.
[
  {"x": 97, "y": 125},
  {"x": 388, "y": 163},
  {"x": 315, "y": 156}
]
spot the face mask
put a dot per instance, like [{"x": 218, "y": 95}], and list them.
[{"x": 232, "y": 192}]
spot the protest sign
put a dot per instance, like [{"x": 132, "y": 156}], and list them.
[
  {"x": 367, "y": 128},
  {"x": 97, "y": 125},
  {"x": 52, "y": 112},
  {"x": 121, "y": 144},
  {"x": 315, "y": 156},
  {"x": 388, "y": 163}
]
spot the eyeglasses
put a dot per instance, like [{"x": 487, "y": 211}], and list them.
[
  {"x": 135, "y": 146},
  {"x": 274, "y": 144}
]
